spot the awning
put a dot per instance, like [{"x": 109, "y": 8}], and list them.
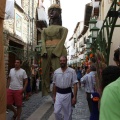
[
  {"x": 42, "y": 14},
  {"x": 42, "y": 20},
  {"x": 88, "y": 12}
]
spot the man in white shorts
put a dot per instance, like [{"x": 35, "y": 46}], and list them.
[{"x": 63, "y": 80}]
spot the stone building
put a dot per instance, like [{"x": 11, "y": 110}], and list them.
[
  {"x": 21, "y": 33},
  {"x": 105, "y": 8},
  {"x": 77, "y": 43},
  {"x": 100, "y": 32}
]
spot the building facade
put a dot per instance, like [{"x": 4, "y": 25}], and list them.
[
  {"x": 77, "y": 43},
  {"x": 104, "y": 9},
  {"x": 102, "y": 12},
  {"x": 106, "y": 26},
  {"x": 20, "y": 33}
]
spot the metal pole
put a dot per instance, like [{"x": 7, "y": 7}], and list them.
[
  {"x": 28, "y": 40},
  {"x": 32, "y": 27}
]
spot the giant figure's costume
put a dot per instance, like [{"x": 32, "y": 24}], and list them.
[{"x": 53, "y": 39}]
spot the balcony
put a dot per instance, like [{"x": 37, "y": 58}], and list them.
[{"x": 88, "y": 11}]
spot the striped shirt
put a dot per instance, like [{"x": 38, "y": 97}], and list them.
[
  {"x": 64, "y": 79},
  {"x": 89, "y": 81}
]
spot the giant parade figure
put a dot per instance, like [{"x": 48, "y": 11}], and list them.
[{"x": 53, "y": 39}]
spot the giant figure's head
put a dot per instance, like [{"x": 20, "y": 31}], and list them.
[{"x": 54, "y": 13}]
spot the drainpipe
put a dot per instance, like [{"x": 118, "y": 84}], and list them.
[
  {"x": 28, "y": 40},
  {"x": 32, "y": 27}
]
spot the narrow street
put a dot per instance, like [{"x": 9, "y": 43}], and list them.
[
  {"x": 30, "y": 106},
  {"x": 33, "y": 107},
  {"x": 81, "y": 111}
]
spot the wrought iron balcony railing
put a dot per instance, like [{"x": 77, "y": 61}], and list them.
[{"x": 104, "y": 38}]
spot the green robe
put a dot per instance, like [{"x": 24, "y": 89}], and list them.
[{"x": 51, "y": 33}]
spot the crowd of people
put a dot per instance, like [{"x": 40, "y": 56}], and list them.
[
  {"x": 66, "y": 81},
  {"x": 104, "y": 104}
]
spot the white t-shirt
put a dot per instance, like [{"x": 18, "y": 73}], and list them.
[
  {"x": 16, "y": 78},
  {"x": 65, "y": 79}
]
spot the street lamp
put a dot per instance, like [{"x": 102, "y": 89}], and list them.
[
  {"x": 92, "y": 23},
  {"x": 90, "y": 39},
  {"x": 88, "y": 46},
  {"x": 38, "y": 49},
  {"x": 94, "y": 31},
  {"x": 40, "y": 43},
  {"x": 93, "y": 28}
]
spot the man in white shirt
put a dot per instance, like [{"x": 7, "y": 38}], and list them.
[
  {"x": 89, "y": 83},
  {"x": 17, "y": 77},
  {"x": 63, "y": 80}
]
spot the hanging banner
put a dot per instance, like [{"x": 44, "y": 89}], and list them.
[
  {"x": 9, "y": 10},
  {"x": 42, "y": 16}
]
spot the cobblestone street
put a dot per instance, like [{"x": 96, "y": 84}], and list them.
[
  {"x": 80, "y": 112},
  {"x": 30, "y": 106}
]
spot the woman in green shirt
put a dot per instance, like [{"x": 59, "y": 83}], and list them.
[{"x": 110, "y": 101}]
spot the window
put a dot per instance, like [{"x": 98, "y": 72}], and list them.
[{"x": 18, "y": 24}]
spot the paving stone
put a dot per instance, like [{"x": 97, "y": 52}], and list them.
[
  {"x": 35, "y": 101},
  {"x": 80, "y": 112}
]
